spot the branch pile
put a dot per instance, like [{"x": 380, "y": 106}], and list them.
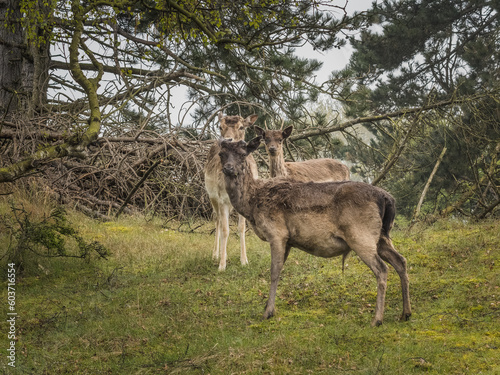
[{"x": 158, "y": 174}]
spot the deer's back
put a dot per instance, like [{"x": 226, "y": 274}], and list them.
[
  {"x": 321, "y": 218},
  {"x": 341, "y": 201},
  {"x": 292, "y": 195},
  {"x": 317, "y": 170}
]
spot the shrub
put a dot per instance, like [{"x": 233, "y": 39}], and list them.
[{"x": 51, "y": 236}]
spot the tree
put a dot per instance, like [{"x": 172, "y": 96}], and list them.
[
  {"x": 94, "y": 116},
  {"x": 24, "y": 47},
  {"x": 124, "y": 58},
  {"x": 419, "y": 52}
]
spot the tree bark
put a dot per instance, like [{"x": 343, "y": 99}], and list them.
[
  {"x": 24, "y": 61},
  {"x": 77, "y": 143},
  {"x": 12, "y": 52},
  {"x": 426, "y": 187}
]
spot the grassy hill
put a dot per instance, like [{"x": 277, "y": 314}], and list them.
[{"x": 159, "y": 305}]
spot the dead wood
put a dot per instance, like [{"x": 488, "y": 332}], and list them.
[{"x": 105, "y": 182}]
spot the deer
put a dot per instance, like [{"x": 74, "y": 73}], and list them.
[
  {"x": 231, "y": 127},
  {"x": 326, "y": 219},
  {"x": 317, "y": 170}
]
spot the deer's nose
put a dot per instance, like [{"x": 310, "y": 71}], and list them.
[
  {"x": 272, "y": 150},
  {"x": 228, "y": 170}
]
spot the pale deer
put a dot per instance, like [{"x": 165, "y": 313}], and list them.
[
  {"x": 317, "y": 170},
  {"x": 231, "y": 127},
  {"x": 323, "y": 219}
]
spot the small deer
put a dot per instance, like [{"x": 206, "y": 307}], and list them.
[
  {"x": 231, "y": 127},
  {"x": 317, "y": 170},
  {"x": 323, "y": 219}
]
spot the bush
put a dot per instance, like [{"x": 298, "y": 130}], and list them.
[{"x": 51, "y": 236}]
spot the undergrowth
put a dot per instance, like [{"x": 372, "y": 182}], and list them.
[
  {"x": 29, "y": 239},
  {"x": 159, "y": 305}
]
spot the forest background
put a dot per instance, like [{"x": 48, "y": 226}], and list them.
[
  {"x": 107, "y": 112},
  {"x": 90, "y": 97}
]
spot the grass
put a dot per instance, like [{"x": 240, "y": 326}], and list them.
[{"x": 159, "y": 305}]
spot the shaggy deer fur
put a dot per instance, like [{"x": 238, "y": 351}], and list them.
[
  {"x": 324, "y": 219},
  {"x": 317, "y": 170},
  {"x": 231, "y": 127}
]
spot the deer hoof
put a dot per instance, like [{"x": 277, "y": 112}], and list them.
[
  {"x": 376, "y": 323},
  {"x": 405, "y": 317},
  {"x": 268, "y": 313}
]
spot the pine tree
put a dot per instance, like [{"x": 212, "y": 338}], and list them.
[
  {"x": 125, "y": 57},
  {"x": 415, "y": 53}
]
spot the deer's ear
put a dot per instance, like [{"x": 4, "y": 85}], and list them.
[
  {"x": 222, "y": 141},
  {"x": 286, "y": 133},
  {"x": 250, "y": 120},
  {"x": 259, "y": 131},
  {"x": 220, "y": 115},
  {"x": 253, "y": 145}
]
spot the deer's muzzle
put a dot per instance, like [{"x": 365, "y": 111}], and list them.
[{"x": 229, "y": 170}]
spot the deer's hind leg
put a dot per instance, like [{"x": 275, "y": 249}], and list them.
[
  {"x": 388, "y": 253},
  {"x": 366, "y": 249}
]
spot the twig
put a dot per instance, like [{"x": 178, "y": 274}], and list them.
[{"x": 132, "y": 192}]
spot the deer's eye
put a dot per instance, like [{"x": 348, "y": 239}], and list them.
[{"x": 242, "y": 127}]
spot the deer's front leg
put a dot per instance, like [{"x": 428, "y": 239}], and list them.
[
  {"x": 278, "y": 256},
  {"x": 224, "y": 229},
  {"x": 243, "y": 248},
  {"x": 216, "y": 207}
]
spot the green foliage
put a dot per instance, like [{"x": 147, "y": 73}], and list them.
[
  {"x": 427, "y": 46},
  {"x": 245, "y": 50},
  {"x": 31, "y": 238},
  {"x": 38, "y": 20},
  {"x": 417, "y": 53}
]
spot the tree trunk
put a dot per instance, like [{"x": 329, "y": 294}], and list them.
[
  {"x": 424, "y": 192},
  {"x": 76, "y": 143},
  {"x": 24, "y": 67},
  {"x": 39, "y": 50},
  {"x": 11, "y": 57}
]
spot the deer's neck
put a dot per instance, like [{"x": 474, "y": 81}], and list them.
[
  {"x": 240, "y": 190},
  {"x": 277, "y": 165}
]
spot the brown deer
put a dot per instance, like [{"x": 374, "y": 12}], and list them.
[
  {"x": 231, "y": 127},
  {"x": 317, "y": 170},
  {"x": 323, "y": 219}
]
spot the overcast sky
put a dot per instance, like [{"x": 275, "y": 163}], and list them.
[{"x": 335, "y": 59}]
